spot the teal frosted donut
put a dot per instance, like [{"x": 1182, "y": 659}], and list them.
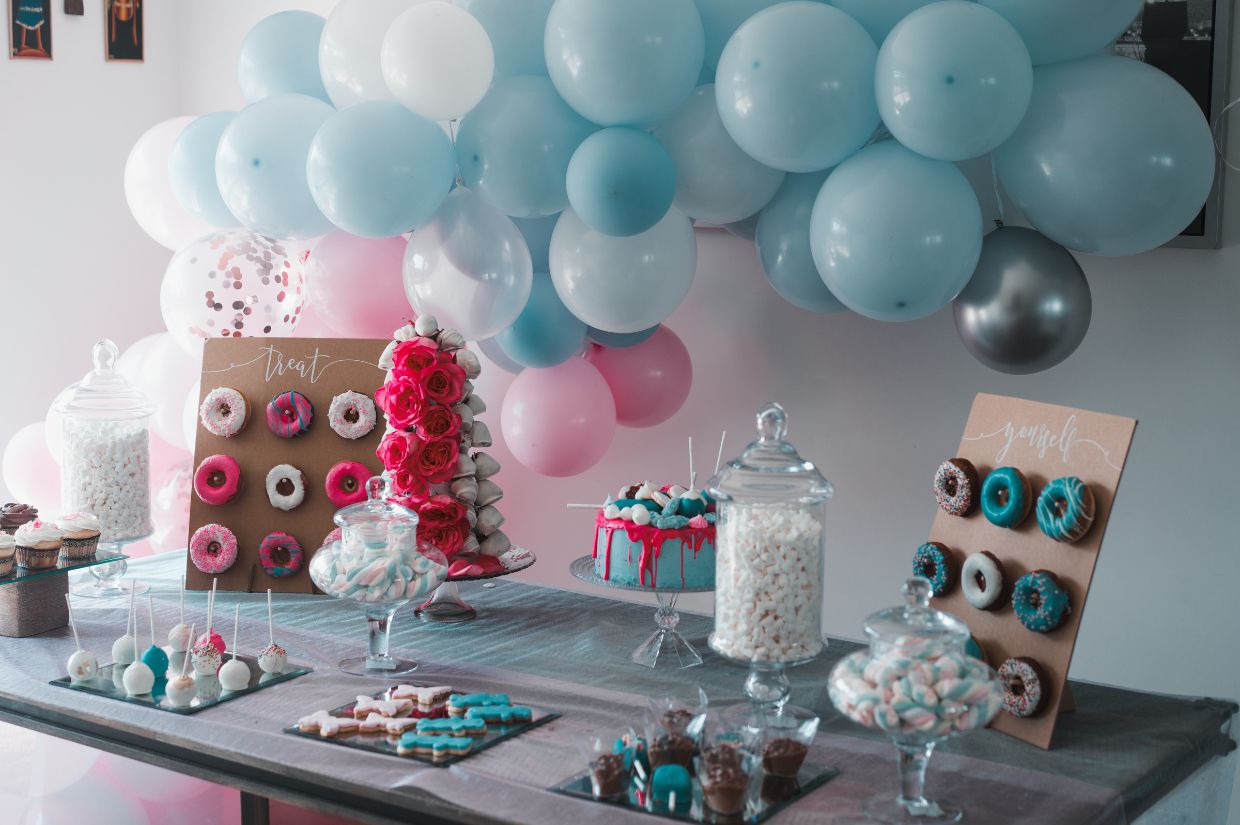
[
  {"x": 1066, "y": 509},
  {"x": 1039, "y": 602},
  {"x": 933, "y": 561},
  {"x": 1006, "y": 497}
]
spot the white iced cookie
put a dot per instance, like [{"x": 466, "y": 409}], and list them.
[{"x": 286, "y": 487}]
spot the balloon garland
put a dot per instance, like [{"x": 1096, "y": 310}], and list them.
[{"x": 553, "y": 216}]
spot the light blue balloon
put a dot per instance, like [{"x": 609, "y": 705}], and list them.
[
  {"x": 795, "y": 86},
  {"x": 720, "y": 18},
  {"x": 1057, "y": 30},
  {"x": 746, "y": 228},
  {"x": 491, "y": 349},
  {"x": 377, "y": 169},
  {"x": 715, "y": 180},
  {"x": 624, "y": 63},
  {"x": 621, "y": 181},
  {"x": 895, "y": 235},
  {"x": 1113, "y": 158},
  {"x": 879, "y": 17},
  {"x": 619, "y": 340},
  {"x": 191, "y": 169},
  {"x": 537, "y": 234},
  {"x": 516, "y": 30},
  {"x": 545, "y": 333},
  {"x": 513, "y": 149},
  {"x": 280, "y": 56},
  {"x": 953, "y": 80},
  {"x": 783, "y": 245},
  {"x": 261, "y": 166}
]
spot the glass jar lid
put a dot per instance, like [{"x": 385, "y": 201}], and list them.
[
  {"x": 915, "y": 621},
  {"x": 103, "y": 393},
  {"x": 770, "y": 470},
  {"x": 376, "y": 510}
]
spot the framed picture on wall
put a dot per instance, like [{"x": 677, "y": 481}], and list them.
[
  {"x": 123, "y": 30},
  {"x": 1191, "y": 41},
  {"x": 30, "y": 29}
]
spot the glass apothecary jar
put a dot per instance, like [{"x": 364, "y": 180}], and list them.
[
  {"x": 105, "y": 466},
  {"x": 770, "y": 546}
]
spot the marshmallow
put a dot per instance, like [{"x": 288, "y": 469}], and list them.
[
  {"x": 641, "y": 515},
  {"x": 426, "y": 325},
  {"x": 107, "y": 472},
  {"x": 367, "y": 576}
]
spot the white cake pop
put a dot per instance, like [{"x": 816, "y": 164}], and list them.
[
  {"x": 124, "y": 648},
  {"x": 82, "y": 664},
  {"x": 205, "y": 655},
  {"x": 181, "y": 689},
  {"x": 273, "y": 658},
  {"x": 235, "y": 674},
  {"x": 180, "y": 636},
  {"x": 139, "y": 678}
]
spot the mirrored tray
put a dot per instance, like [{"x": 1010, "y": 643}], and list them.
[
  {"x": 23, "y": 574},
  {"x": 108, "y": 684}
]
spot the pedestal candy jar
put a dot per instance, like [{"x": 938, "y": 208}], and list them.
[
  {"x": 769, "y": 547},
  {"x": 917, "y": 684}
]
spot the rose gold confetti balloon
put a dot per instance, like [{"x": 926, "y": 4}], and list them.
[{"x": 233, "y": 284}]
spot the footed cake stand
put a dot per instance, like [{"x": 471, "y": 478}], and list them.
[
  {"x": 666, "y": 648},
  {"x": 445, "y": 603},
  {"x": 107, "y": 579}
]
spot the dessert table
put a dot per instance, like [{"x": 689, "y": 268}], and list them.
[{"x": 1122, "y": 756}]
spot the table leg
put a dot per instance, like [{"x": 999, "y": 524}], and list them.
[{"x": 254, "y": 809}]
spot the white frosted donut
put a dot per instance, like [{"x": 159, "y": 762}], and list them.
[
  {"x": 351, "y": 415},
  {"x": 286, "y": 487},
  {"x": 224, "y": 412},
  {"x": 982, "y": 580}
]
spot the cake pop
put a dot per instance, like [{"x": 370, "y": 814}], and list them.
[
  {"x": 123, "y": 648},
  {"x": 211, "y": 637},
  {"x": 273, "y": 658},
  {"x": 138, "y": 679},
  {"x": 205, "y": 655},
  {"x": 180, "y": 635},
  {"x": 82, "y": 664},
  {"x": 181, "y": 689},
  {"x": 154, "y": 657},
  {"x": 235, "y": 674}
]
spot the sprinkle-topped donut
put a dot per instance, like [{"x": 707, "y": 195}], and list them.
[
  {"x": 1066, "y": 509},
  {"x": 224, "y": 412},
  {"x": 213, "y": 548},
  {"x": 1022, "y": 686},
  {"x": 933, "y": 561},
  {"x": 351, "y": 415},
  {"x": 1005, "y": 497},
  {"x": 217, "y": 479},
  {"x": 289, "y": 414},
  {"x": 1039, "y": 602},
  {"x": 286, "y": 487},
  {"x": 280, "y": 555},
  {"x": 346, "y": 483},
  {"x": 982, "y": 580},
  {"x": 955, "y": 486}
]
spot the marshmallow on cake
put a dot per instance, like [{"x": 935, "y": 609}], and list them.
[{"x": 657, "y": 537}]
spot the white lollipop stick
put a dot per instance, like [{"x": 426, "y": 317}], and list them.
[
  {"x": 236, "y": 624},
  {"x": 182, "y": 600},
  {"x": 584, "y": 506},
  {"x": 719, "y": 456},
  {"x": 131, "y": 621},
  {"x": 271, "y": 633},
  {"x": 211, "y": 608},
  {"x": 73, "y": 624},
  {"x": 692, "y": 475},
  {"x": 185, "y": 661},
  {"x": 150, "y": 616}
]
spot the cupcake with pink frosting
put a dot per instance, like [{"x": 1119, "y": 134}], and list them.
[
  {"x": 81, "y": 535},
  {"x": 38, "y": 544}
]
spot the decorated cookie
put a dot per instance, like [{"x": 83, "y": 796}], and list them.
[
  {"x": 351, "y": 415},
  {"x": 400, "y": 724},
  {"x": 500, "y": 714},
  {"x": 374, "y": 723},
  {"x": 286, "y": 487},
  {"x": 428, "y": 699},
  {"x": 453, "y": 727},
  {"x": 436, "y": 747},
  {"x": 367, "y": 705},
  {"x": 461, "y": 702},
  {"x": 324, "y": 724},
  {"x": 224, "y": 412}
]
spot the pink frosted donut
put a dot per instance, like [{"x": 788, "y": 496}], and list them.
[
  {"x": 213, "y": 548},
  {"x": 346, "y": 483},
  {"x": 351, "y": 415},
  {"x": 224, "y": 412},
  {"x": 289, "y": 414},
  {"x": 217, "y": 479}
]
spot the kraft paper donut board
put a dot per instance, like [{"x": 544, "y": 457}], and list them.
[
  {"x": 261, "y": 368},
  {"x": 1045, "y": 442}
]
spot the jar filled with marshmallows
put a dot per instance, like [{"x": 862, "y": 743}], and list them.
[{"x": 770, "y": 546}]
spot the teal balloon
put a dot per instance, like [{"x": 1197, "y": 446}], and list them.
[
  {"x": 377, "y": 169},
  {"x": 895, "y": 235},
  {"x": 513, "y": 149},
  {"x": 621, "y": 181},
  {"x": 746, "y": 228},
  {"x": 624, "y": 63},
  {"x": 491, "y": 349},
  {"x": 783, "y": 244},
  {"x": 516, "y": 30},
  {"x": 537, "y": 234},
  {"x": 280, "y": 56},
  {"x": 545, "y": 333},
  {"x": 795, "y": 86},
  {"x": 716, "y": 181},
  {"x": 261, "y": 166},
  {"x": 1113, "y": 158},
  {"x": 191, "y": 169},
  {"x": 1058, "y": 30},
  {"x": 619, "y": 340},
  {"x": 879, "y": 17},
  {"x": 953, "y": 81}
]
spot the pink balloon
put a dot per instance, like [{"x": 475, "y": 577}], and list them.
[
  {"x": 559, "y": 421},
  {"x": 170, "y": 492},
  {"x": 356, "y": 284},
  {"x": 29, "y": 471},
  {"x": 650, "y": 381},
  {"x": 312, "y": 325},
  {"x": 148, "y": 188}
]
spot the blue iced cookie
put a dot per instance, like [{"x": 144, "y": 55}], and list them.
[
  {"x": 1039, "y": 602},
  {"x": 458, "y": 703},
  {"x": 500, "y": 714},
  {"x": 436, "y": 747},
  {"x": 452, "y": 726},
  {"x": 1066, "y": 509},
  {"x": 1006, "y": 497}
]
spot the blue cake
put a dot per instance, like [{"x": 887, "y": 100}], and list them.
[{"x": 656, "y": 537}]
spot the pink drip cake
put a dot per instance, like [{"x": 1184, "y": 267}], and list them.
[{"x": 656, "y": 537}]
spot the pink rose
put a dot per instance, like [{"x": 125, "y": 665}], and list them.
[
  {"x": 399, "y": 450},
  {"x": 401, "y": 401},
  {"x": 410, "y": 357},
  {"x": 448, "y": 540},
  {"x": 437, "y": 422},
  {"x": 444, "y": 381},
  {"x": 410, "y": 485},
  {"x": 441, "y": 511},
  {"x": 437, "y": 461}
]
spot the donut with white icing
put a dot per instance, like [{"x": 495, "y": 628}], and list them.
[
  {"x": 286, "y": 487},
  {"x": 352, "y": 415},
  {"x": 983, "y": 581},
  {"x": 224, "y": 412}
]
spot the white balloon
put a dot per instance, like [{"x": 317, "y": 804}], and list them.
[
  {"x": 469, "y": 267},
  {"x": 148, "y": 189},
  {"x": 349, "y": 49},
  {"x": 437, "y": 60},
  {"x": 623, "y": 284},
  {"x": 189, "y": 416}
]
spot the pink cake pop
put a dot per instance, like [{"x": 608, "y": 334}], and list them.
[{"x": 211, "y": 637}]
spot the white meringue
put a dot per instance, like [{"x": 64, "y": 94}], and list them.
[
  {"x": 676, "y": 491},
  {"x": 626, "y": 513},
  {"x": 450, "y": 339},
  {"x": 611, "y": 511},
  {"x": 695, "y": 495},
  {"x": 465, "y": 467},
  {"x": 485, "y": 466},
  {"x": 489, "y": 520},
  {"x": 465, "y": 489},
  {"x": 488, "y": 492},
  {"x": 476, "y": 403},
  {"x": 480, "y": 434},
  {"x": 660, "y": 498},
  {"x": 646, "y": 491},
  {"x": 496, "y": 544},
  {"x": 466, "y": 360},
  {"x": 426, "y": 325},
  {"x": 641, "y": 515}
]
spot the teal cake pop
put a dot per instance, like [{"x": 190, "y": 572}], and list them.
[{"x": 155, "y": 658}]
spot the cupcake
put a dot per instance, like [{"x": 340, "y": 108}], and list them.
[
  {"x": 8, "y": 549},
  {"x": 14, "y": 515},
  {"x": 81, "y": 535},
  {"x": 38, "y": 545}
]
